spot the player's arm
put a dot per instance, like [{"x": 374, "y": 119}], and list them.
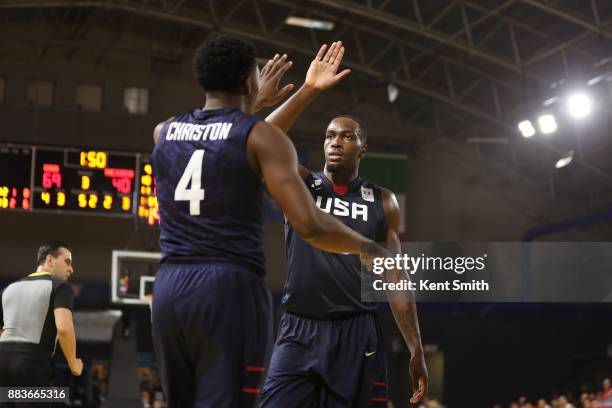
[
  {"x": 62, "y": 311},
  {"x": 272, "y": 155},
  {"x": 158, "y": 129},
  {"x": 402, "y": 302},
  {"x": 322, "y": 75}
]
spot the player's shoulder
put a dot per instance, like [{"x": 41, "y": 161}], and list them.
[
  {"x": 375, "y": 188},
  {"x": 264, "y": 133},
  {"x": 389, "y": 201},
  {"x": 387, "y": 194},
  {"x": 160, "y": 126}
]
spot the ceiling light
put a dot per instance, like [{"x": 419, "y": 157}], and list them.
[
  {"x": 565, "y": 160},
  {"x": 547, "y": 124},
  {"x": 526, "y": 128},
  {"x": 309, "y": 23},
  {"x": 579, "y": 105}
]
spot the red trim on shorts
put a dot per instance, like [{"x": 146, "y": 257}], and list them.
[
  {"x": 379, "y": 383},
  {"x": 377, "y": 399},
  {"x": 255, "y": 369},
  {"x": 251, "y": 390}
]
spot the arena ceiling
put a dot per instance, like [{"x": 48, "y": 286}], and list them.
[{"x": 466, "y": 71}]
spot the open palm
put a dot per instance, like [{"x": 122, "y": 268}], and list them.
[{"x": 323, "y": 71}]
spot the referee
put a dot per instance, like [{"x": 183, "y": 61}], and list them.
[{"x": 35, "y": 312}]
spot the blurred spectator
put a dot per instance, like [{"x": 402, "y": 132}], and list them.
[
  {"x": 585, "y": 400},
  {"x": 564, "y": 403},
  {"x": 605, "y": 396},
  {"x": 543, "y": 404}
]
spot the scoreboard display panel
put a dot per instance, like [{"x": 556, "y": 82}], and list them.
[
  {"x": 80, "y": 181},
  {"x": 147, "y": 203},
  {"x": 15, "y": 177},
  {"x": 84, "y": 180}
]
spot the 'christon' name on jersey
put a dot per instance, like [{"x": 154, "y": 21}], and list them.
[{"x": 180, "y": 131}]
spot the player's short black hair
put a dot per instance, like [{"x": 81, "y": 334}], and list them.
[
  {"x": 222, "y": 62},
  {"x": 50, "y": 248},
  {"x": 362, "y": 131}
]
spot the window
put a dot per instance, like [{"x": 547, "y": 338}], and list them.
[
  {"x": 136, "y": 100},
  {"x": 89, "y": 97},
  {"x": 2, "y": 89},
  {"x": 40, "y": 93}
]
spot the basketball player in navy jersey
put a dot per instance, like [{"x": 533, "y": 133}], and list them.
[
  {"x": 211, "y": 313},
  {"x": 329, "y": 351}
]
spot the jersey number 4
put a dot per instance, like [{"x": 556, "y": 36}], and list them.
[{"x": 192, "y": 175}]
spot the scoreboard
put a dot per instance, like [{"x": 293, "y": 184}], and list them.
[{"x": 83, "y": 181}]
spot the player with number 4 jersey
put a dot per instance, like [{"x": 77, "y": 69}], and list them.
[{"x": 211, "y": 315}]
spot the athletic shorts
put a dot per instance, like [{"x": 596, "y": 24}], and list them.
[
  {"x": 212, "y": 333},
  {"x": 327, "y": 363}
]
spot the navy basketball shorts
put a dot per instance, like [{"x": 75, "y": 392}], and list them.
[
  {"x": 212, "y": 333},
  {"x": 327, "y": 363}
]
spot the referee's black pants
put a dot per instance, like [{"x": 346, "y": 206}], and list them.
[{"x": 24, "y": 365}]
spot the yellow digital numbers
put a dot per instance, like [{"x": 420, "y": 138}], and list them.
[
  {"x": 126, "y": 203},
  {"x": 60, "y": 198},
  {"x": 93, "y": 201},
  {"x": 82, "y": 200},
  {"x": 108, "y": 202},
  {"x": 85, "y": 182},
  {"x": 93, "y": 159}
]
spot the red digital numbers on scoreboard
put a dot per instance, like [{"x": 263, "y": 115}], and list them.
[
  {"x": 51, "y": 176},
  {"x": 123, "y": 179}
]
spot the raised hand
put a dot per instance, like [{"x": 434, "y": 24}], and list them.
[
  {"x": 269, "y": 79},
  {"x": 323, "y": 71}
]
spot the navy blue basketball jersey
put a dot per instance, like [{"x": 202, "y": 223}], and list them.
[
  {"x": 210, "y": 201},
  {"x": 325, "y": 285}
]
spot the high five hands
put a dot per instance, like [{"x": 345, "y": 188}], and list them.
[
  {"x": 322, "y": 75},
  {"x": 269, "y": 80},
  {"x": 323, "y": 71}
]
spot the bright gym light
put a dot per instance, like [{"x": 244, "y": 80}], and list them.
[
  {"x": 579, "y": 105},
  {"x": 392, "y": 92},
  {"x": 309, "y": 23},
  {"x": 526, "y": 128},
  {"x": 547, "y": 124},
  {"x": 565, "y": 160}
]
